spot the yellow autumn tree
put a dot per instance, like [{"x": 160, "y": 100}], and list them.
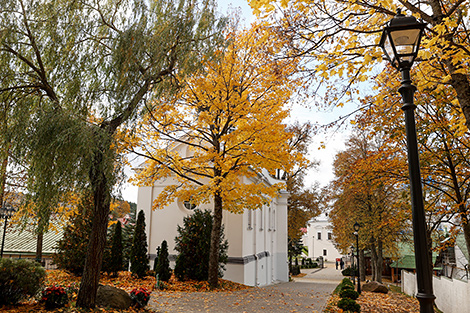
[
  {"x": 444, "y": 153},
  {"x": 230, "y": 121},
  {"x": 365, "y": 190},
  {"x": 341, "y": 38}
]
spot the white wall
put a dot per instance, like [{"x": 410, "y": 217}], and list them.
[
  {"x": 260, "y": 250},
  {"x": 317, "y": 246},
  {"x": 452, "y": 295}
]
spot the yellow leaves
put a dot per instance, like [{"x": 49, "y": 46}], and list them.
[{"x": 225, "y": 126}]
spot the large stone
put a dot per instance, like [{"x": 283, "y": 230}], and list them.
[
  {"x": 112, "y": 297},
  {"x": 374, "y": 286}
]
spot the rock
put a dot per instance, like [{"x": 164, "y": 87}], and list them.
[
  {"x": 374, "y": 286},
  {"x": 112, "y": 297}
]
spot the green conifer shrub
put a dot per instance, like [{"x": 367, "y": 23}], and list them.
[
  {"x": 193, "y": 245},
  {"x": 115, "y": 261},
  {"x": 349, "y": 293},
  {"x": 127, "y": 239},
  {"x": 155, "y": 262},
  {"x": 19, "y": 279},
  {"x": 139, "y": 259},
  {"x": 348, "y": 305},
  {"x": 163, "y": 263}
]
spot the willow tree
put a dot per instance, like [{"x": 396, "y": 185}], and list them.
[
  {"x": 89, "y": 66},
  {"x": 230, "y": 120}
]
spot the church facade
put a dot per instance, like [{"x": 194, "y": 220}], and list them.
[{"x": 257, "y": 253}]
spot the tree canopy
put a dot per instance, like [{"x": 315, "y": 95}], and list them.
[
  {"x": 224, "y": 129},
  {"x": 339, "y": 41}
]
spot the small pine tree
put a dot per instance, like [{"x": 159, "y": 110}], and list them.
[
  {"x": 72, "y": 248},
  {"x": 127, "y": 239},
  {"x": 155, "y": 262},
  {"x": 193, "y": 245},
  {"x": 106, "y": 265},
  {"x": 139, "y": 259},
  {"x": 163, "y": 264},
  {"x": 115, "y": 262}
]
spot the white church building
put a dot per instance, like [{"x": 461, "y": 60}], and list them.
[
  {"x": 319, "y": 239},
  {"x": 257, "y": 253}
]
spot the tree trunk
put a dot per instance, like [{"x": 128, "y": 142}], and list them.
[
  {"x": 380, "y": 261},
  {"x": 39, "y": 240},
  {"x": 362, "y": 269},
  {"x": 373, "y": 262},
  {"x": 461, "y": 86},
  {"x": 215, "y": 241},
  {"x": 101, "y": 197},
  {"x": 3, "y": 173}
]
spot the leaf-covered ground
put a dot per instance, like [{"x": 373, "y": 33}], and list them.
[
  {"x": 124, "y": 281},
  {"x": 370, "y": 302},
  {"x": 392, "y": 302}
]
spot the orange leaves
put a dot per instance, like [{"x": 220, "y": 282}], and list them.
[
  {"x": 124, "y": 281},
  {"x": 379, "y": 303}
]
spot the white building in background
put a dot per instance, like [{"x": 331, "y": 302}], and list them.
[
  {"x": 257, "y": 253},
  {"x": 319, "y": 239}
]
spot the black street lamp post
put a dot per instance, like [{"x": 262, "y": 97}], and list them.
[
  {"x": 400, "y": 42},
  {"x": 353, "y": 270},
  {"x": 5, "y": 212},
  {"x": 356, "y": 233}
]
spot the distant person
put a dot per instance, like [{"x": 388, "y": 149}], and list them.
[
  {"x": 337, "y": 263},
  {"x": 342, "y": 264}
]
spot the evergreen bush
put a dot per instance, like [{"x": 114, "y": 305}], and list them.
[
  {"x": 139, "y": 259},
  {"x": 347, "y": 286},
  {"x": 349, "y": 271},
  {"x": 348, "y": 305},
  {"x": 115, "y": 261},
  {"x": 127, "y": 239},
  {"x": 19, "y": 279},
  {"x": 349, "y": 293},
  {"x": 347, "y": 281},
  {"x": 72, "y": 248},
  {"x": 155, "y": 262},
  {"x": 294, "y": 270},
  {"x": 163, "y": 263},
  {"x": 193, "y": 245}
]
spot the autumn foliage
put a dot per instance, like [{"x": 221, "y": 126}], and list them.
[{"x": 224, "y": 127}]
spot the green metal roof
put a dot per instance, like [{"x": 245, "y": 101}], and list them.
[
  {"x": 19, "y": 241},
  {"x": 408, "y": 261}
]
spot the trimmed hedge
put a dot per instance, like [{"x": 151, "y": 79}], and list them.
[
  {"x": 349, "y": 305},
  {"x": 349, "y": 293},
  {"x": 349, "y": 271}
]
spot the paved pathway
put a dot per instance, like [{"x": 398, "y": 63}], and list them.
[{"x": 305, "y": 294}]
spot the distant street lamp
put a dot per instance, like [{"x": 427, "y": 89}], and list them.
[
  {"x": 356, "y": 233},
  {"x": 6, "y": 212},
  {"x": 353, "y": 271},
  {"x": 400, "y": 42}
]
